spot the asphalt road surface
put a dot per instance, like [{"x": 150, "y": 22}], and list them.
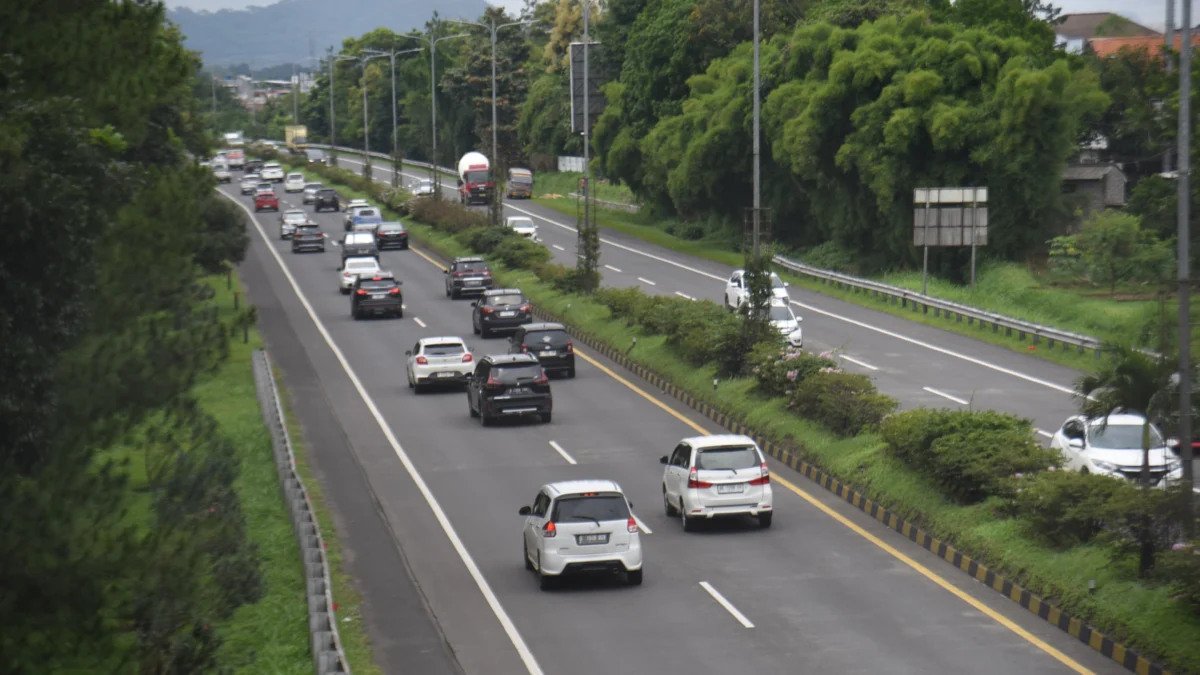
[
  {"x": 919, "y": 365},
  {"x": 826, "y": 589}
]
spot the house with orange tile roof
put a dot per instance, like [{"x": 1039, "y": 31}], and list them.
[{"x": 1110, "y": 46}]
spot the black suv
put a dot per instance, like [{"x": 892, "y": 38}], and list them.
[
  {"x": 252, "y": 166},
  {"x": 468, "y": 275},
  {"x": 377, "y": 294},
  {"x": 326, "y": 199},
  {"x": 500, "y": 309},
  {"x": 549, "y": 342},
  {"x": 506, "y": 385},
  {"x": 308, "y": 237},
  {"x": 391, "y": 234},
  {"x": 358, "y": 244}
]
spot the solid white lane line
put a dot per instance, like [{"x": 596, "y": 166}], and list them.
[
  {"x": 641, "y": 525},
  {"x": 613, "y": 268},
  {"x": 726, "y": 604},
  {"x": 882, "y": 331},
  {"x": 558, "y": 448},
  {"x": 558, "y": 247},
  {"x": 684, "y": 296},
  {"x": 443, "y": 520},
  {"x": 856, "y": 362},
  {"x": 1044, "y": 434},
  {"x": 420, "y": 322},
  {"x": 646, "y": 281},
  {"x": 946, "y": 396}
]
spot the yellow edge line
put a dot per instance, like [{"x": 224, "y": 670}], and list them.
[{"x": 853, "y": 527}]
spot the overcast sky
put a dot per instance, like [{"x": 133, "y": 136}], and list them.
[{"x": 1152, "y": 14}]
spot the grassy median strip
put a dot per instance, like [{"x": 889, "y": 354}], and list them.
[{"x": 1130, "y": 611}]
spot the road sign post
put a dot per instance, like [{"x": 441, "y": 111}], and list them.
[{"x": 949, "y": 217}]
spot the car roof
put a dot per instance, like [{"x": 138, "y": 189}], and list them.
[
  {"x": 718, "y": 441},
  {"x": 362, "y": 258},
  {"x": 469, "y": 258},
  {"x": 300, "y": 211},
  {"x": 445, "y": 338},
  {"x": 359, "y": 202},
  {"x": 501, "y": 291},
  {"x": 504, "y": 359},
  {"x": 391, "y": 222},
  {"x": 1121, "y": 420},
  {"x": 573, "y": 487},
  {"x": 355, "y": 236},
  {"x": 379, "y": 276},
  {"x": 291, "y": 175},
  {"x": 511, "y": 218},
  {"x": 530, "y": 327}
]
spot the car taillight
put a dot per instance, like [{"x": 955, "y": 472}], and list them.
[
  {"x": 492, "y": 381},
  {"x": 422, "y": 360},
  {"x": 764, "y": 478},
  {"x": 394, "y": 291},
  {"x": 693, "y": 482},
  {"x": 361, "y": 292},
  {"x": 487, "y": 273},
  {"x": 467, "y": 358},
  {"x": 526, "y": 308},
  {"x": 549, "y": 530},
  {"x": 348, "y": 275},
  {"x": 632, "y": 525},
  {"x": 570, "y": 347},
  {"x": 486, "y": 310},
  {"x": 524, "y": 348},
  {"x": 542, "y": 379}
]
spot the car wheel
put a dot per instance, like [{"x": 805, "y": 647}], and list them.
[
  {"x": 545, "y": 582},
  {"x": 400, "y": 313},
  {"x": 453, "y": 294},
  {"x": 485, "y": 333},
  {"x": 484, "y": 420},
  {"x": 410, "y": 381},
  {"x": 447, "y": 291},
  {"x": 667, "y": 506},
  {"x": 471, "y": 408},
  {"x": 525, "y": 555},
  {"x": 571, "y": 373},
  {"x": 546, "y": 417},
  {"x": 633, "y": 577},
  {"x": 475, "y": 328},
  {"x": 689, "y": 524},
  {"x": 355, "y": 314}
]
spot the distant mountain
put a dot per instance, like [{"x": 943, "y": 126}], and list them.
[{"x": 279, "y": 33}]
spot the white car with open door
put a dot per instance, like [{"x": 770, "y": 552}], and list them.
[
  {"x": 1113, "y": 447},
  {"x": 579, "y": 527},
  {"x": 737, "y": 290},
  {"x": 439, "y": 360},
  {"x": 708, "y": 477}
]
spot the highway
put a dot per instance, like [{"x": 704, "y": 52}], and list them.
[
  {"x": 822, "y": 591},
  {"x": 917, "y": 364}
]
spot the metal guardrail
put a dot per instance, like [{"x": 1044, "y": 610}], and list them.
[
  {"x": 903, "y": 297},
  {"x": 324, "y": 640},
  {"x": 1012, "y": 327}
]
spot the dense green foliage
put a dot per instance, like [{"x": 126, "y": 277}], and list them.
[
  {"x": 1112, "y": 248},
  {"x": 104, "y": 330}
]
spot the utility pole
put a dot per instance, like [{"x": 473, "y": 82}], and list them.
[
  {"x": 332, "y": 126},
  {"x": 1169, "y": 34},
  {"x": 432, "y": 41},
  {"x": 362, "y": 60},
  {"x": 295, "y": 96},
  {"x": 395, "y": 154},
  {"x": 494, "y": 29},
  {"x": 757, "y": 213},
  {"x": 1183, "y": 246},
  {"x": 214, "y": 96}
]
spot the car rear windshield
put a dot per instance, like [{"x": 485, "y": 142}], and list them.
[
  {"x": 296, "y": 176},
  {"x": 327, "y": 193},
  {"x": 364, "y": 265},
  {"x": 506, "y": 300},
  {"x": 391, "y": 227},
  {"x": 478, "y": 266},
  {"x": 735, "y": 457},
  {"x": 603, "y": 506},
  {"x": 366, "y": 213},
  {"x": 306, "y": 230},
  {"x": 781, "y": 313},
  {"x": 444, "y": 349},
  {"x": 312, "y": 186},
  {"x": 522, "y": 180},
  {"x": 516, "y": 372},
  {"x": 549, "y": 337},
  {"x": 371, "y": 284},
  {"x": 1121, "y": 437}
]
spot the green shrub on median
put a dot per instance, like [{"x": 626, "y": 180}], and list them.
[
  {"x": 846, "y": 403},
  {"x": 778, "y": 371}
]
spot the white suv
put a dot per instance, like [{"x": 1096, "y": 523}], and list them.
[
  {"x": 436, "y": 360},
  {"x": 581, "y": 526},
  {"x": 294, "y": 183},
  {"x": 272, "y": 171},
  {"x": 354, "y": 267},
  {"x": 737, "y": 289},
  {"x": 711, "y": 476}
]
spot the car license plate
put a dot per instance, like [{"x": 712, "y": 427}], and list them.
[
  {"x": 508, "y": 313},
  {"x": 591, "y": 539},
  {"x": 446, "y": 374},
  {"x": 519, "y": 390},
  {"x": 549, "y": 352},
  {"x": 379, "y": 295},
  {"x": 731, "y": 488},
  {"x": 474, "y": 282}
]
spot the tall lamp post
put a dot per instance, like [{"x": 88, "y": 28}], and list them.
[
  {"x": 1184, "y": 273},
  {"x": 332, "y": 126},
  {"x": 432, "y": 42},
  {"x": 392, "y": 56},
  {"x": 362, "y": 60},
  {"x": 494, "y": 29}
]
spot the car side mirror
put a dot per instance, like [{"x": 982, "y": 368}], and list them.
[
  {"x": 1076, "y": 443},
  {"x": 474, "y": 304},
  {"x": 663, "y": 459},
  {"x": 408, "y": 352},
  {"x": 786, "y": 284},
  {"x": 525, "y": 511},
  {"x": 445, "y": 271},
  {"x": 1172, "y": 442}
]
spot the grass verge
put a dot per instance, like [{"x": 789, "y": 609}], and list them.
[{"x": 1129, "y": 611}]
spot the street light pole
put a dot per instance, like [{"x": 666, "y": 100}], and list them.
[
  {"x": 214, "y": 95},
  {"x": 432, "y": 42},
  {"x": 1184, "y": 240},
  {"x": 332, "y": 126},
  {"x": 757, "y": 214},
  {"x": 392, "y": 57},
  {"x": 362, "y": 60},
  {"x": 295, "y": 96}
]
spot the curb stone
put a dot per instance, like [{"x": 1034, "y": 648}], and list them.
[{"x": 324, "y": 640}]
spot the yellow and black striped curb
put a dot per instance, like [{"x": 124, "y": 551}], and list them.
[{"x": 790, "y": 455}]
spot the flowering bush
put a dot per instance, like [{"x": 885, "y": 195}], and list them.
[
  {"x": 1181, "y": 568},
  {"x": 778, "y": 371},
  {"x": 846, "y": 403}
]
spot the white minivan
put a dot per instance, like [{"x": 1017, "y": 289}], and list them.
[
  {"x": 709, "y": 477},
  {"x": 294, "y": 183}
]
